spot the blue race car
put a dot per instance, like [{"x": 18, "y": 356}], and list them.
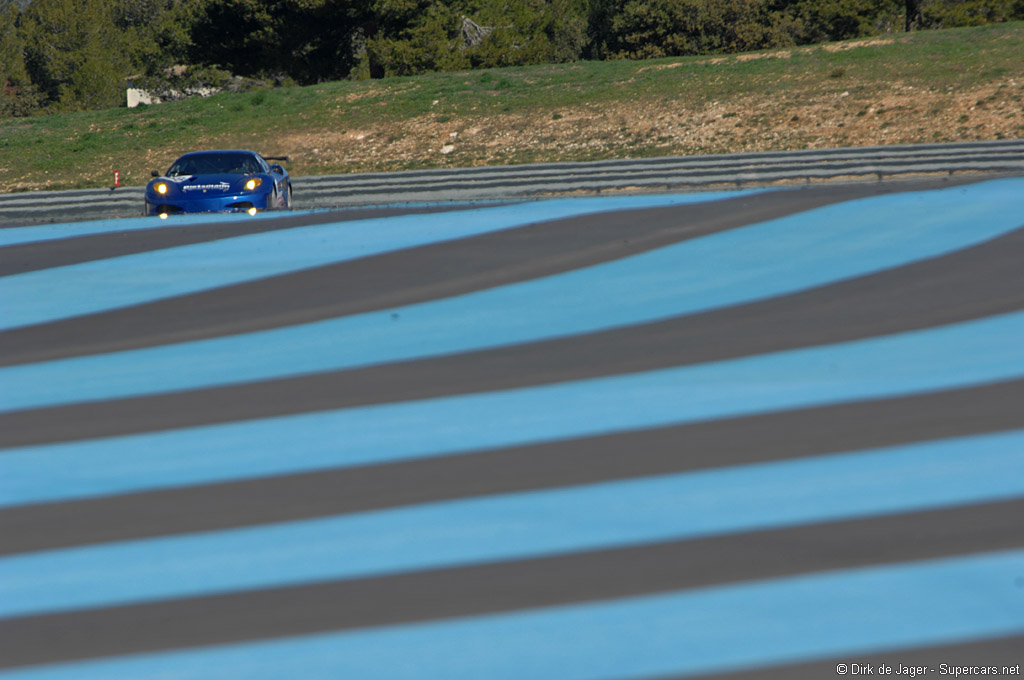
[{"x": 219, "y": 181}]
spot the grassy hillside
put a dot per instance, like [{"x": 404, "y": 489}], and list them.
[{"x": 955, "y": 85}]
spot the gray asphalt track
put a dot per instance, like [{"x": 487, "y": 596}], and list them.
[
  {"x": 509, "y": 586},
  {"x": 383, "y": 281},
  {"x": 934, "y": 292},
  {"x": 736, "y": 441},
  {"x": 980, "y": 281},
  {"x": 62, "y": 252}
]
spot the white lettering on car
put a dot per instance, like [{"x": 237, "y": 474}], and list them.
[{"x": 223, "y": 186}]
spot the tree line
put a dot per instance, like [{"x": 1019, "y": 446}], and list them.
[{"x": 64, "y": 55}]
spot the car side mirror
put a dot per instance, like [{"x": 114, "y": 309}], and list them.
[
  {"x": 154, "y": 174},
  {"x": 277, "y": 168}
]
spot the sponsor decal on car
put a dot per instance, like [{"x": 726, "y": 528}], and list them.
[{"x": 223, "y": 186}]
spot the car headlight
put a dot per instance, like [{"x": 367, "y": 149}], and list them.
[
  {"x": 252, "y": 183},
  {"x": 161, "y": 188}
]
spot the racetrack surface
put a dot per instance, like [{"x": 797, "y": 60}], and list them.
[{"x": 747, "y": 434}]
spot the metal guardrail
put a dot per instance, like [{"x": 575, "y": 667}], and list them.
[{"x": 530, "y": 181}]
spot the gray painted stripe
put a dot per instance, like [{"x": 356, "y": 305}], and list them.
[
  {"x": 408, "y": 276},
  {"x": 823, "y": 430},
  {"x": 976, "y": 282},
  {"x": 488, "y": 588},
  {"x": 60, "y": 252}
]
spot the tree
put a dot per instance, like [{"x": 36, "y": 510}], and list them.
[
  {"x": 657, "y": 28},
  {"x": 913, "y": 15},
  {"x": 953, "y": 13},
  {"x": 812, "y": 21},
  {"x": 74, "y": 53},
  {"x": 18, "y": 97},
  {"x": 321, "y": 39},
  {"x": 239, "y": 35},
  {"x": 156, "y": 34},
  {"x": 526, "y": 32},
  {"x": 415, "y": 36},
  {"x": 12, "y": 59},
  {"x": 307, "y": 40}
]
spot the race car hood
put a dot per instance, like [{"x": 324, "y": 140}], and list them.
[{"x": 206, "y": 184}]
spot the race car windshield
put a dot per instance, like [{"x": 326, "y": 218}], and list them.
[{"x": 215, "y": 164}]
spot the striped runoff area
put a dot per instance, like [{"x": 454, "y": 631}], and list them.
[{"x": 749, "y": 434}]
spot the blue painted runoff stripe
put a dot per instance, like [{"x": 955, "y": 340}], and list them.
[
  {"x": 771, "y": 622},
  {"x": 521, "y": 525},
  {"x": 947, "y": 357},
  {"x": 13, "y": 236},
  {"x": 741, "y": 265},
  {"x": 63, "y": 292}
]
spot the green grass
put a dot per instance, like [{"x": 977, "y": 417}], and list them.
[{"x": 84, "y": 149}]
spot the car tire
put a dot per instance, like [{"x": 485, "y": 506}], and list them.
[
  {"x": 288, "y": 197},
  {"x": 272, "y": 200}
]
